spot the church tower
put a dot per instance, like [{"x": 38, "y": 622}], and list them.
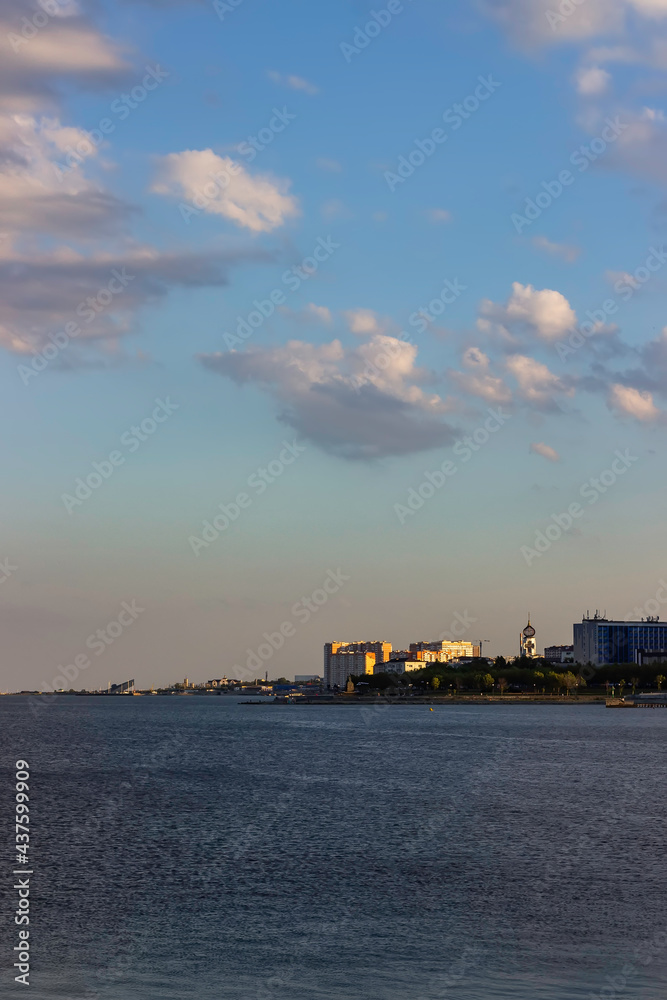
[{"x": 527, "y": 644}]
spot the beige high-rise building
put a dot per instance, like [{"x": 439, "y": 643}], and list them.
[
  {"x": 344, "y": 663},
  {"x": 381, "y": 651}
]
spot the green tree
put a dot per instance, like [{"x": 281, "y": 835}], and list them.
[
  {"x": 435, "y": 683},
  {"x": 500, "y": 662},
  {"x": 486, "y": 682},
  {"x": 621, "y": 685},
  {"x": 660, "y": 680},
  {"x": 539, "y": 680},
  {"x": 554, "y": 680},
  {"x": 634, "y": 681},
  {"x": 502, "y": 684},
  {"x": 570, "y": 681}
]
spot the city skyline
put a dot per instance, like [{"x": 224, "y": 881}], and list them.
[{"x": 364, "y": 304}]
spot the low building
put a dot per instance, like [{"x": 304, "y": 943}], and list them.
[
  {"x": 401, "y": 666},
  {"x": 442, "y": 651},
  {"x": 559, "y": 654},
  {"x": 648, "y": 658}
]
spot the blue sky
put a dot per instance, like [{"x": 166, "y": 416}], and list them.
[{"x": 375, "y": 400}]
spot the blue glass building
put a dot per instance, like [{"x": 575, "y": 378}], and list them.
[{"x": 599, "y": 641}]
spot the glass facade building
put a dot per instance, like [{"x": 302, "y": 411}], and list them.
[{"x": 599, "y": 641}]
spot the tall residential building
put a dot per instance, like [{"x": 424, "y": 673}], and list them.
[
  {"x": 382, "y": 651},
  {"x": 346, "y": 662},
  {"x": 598, "y": 640}
]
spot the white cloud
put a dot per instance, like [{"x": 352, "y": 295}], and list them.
[
  {"x": 310, "y": 313},
  {"x": 293, "y": 82},
  {"x": 545, "y": 450},
  {"x": 540, "y": 22},
  {"x": 223, "y": 187},
  {"x": 533, "y": 23},
  {"x": 363, "y": 322},
  {"x": 40, "y": 192},
  {"x": 67, "y": 48},
  {"x": 630, "y": 402},
  {"x": 335, "y": 209},
  {"x": 545, "y": 313},
  {"x": 642, "y": 147},
  {"x": 592, "y": 81},
  {"x": 651, "y": 8},
  {"x": 320, "y": 313},
  {"x": 325, "y": 163},
  {"x": 439, "y": 215},
  {"x": 537, "y": 385},
  {"x": 363, "y": 403},
  {"x": 566, "y": 251},
  {"x": 478, "y": 381},
  {"x": 487, "y": 387}
]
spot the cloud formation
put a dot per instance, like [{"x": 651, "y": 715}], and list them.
[
  {"x": 293, "y": 82},
  {"x": 41, "y": 293},
  {"x": 629, "y": 402},
  {"x": 545, "y": 450},
  {"x": 40, "y": 50},
  {"x": 219, "y": 185},
  {"x": 566, "y": 251},
  {"x": 362, "y": 403},
  {"x": 537, "y": 385},
  {"x": 544, "y": 313},
  {"x": 38, "y": 196}
]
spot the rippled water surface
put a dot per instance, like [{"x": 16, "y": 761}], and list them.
[{"x": 200, "y": 848}]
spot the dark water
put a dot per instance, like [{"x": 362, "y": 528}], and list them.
[{"x": 191, "y": 848}]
